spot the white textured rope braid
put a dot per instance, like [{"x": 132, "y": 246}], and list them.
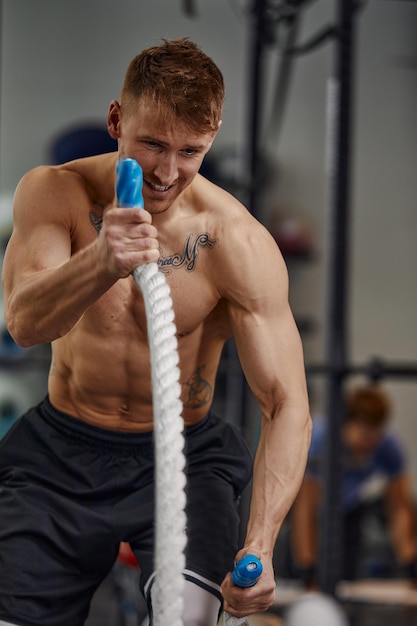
[{"x": 170, "y": 538}]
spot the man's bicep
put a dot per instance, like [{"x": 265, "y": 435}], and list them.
[
  {"x": 44, "y": 247},
  {"x": 256, "y": 289},
  {"x": 40, "y": 239},
  {"x": 41, "y": 225},
  {"x": 271, "y": 354}
]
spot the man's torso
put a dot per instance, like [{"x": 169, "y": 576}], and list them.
[{"x": 101, "y": 369}]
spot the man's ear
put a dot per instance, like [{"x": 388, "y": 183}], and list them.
[
  {"x": 214, "y": 136},
  {"x": 113, "y": 119},
  {"x": 218, "y": 128}
]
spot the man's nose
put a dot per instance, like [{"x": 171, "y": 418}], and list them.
[{"x": 167, "y": 169}]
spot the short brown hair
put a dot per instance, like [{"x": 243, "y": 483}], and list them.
[
  {"x": 368, "y": 403},
  {"x": 181, "y": 80}
]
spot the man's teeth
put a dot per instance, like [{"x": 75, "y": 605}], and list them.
[{"x": 159, "y": 187}]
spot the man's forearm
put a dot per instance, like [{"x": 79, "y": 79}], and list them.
[
  {"x": 403, "y": 534},
  {"x": 50, "y": 302},
  {"x": 278, "y": 472}
]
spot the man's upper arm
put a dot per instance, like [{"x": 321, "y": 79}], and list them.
[
  {"x": 265, "y": 332},
  {"x": 41, "y": 236}
]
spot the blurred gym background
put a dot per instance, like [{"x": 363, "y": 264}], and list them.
[{"x": 61, "y": 64}]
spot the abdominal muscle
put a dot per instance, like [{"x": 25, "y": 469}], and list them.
[
  {"x": 104, "y": 378},
  {"x": 100, "y": 370},
  {"x": 99, "y": 384}
]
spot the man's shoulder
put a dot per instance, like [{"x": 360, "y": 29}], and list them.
[
  {"x": 229, "y": 217},
  {"x": 246, "y": 263},
  {"x": 57, "y": 192},
  {"x": 51, "y": 178},
  {"x": 211, "y": 199}
]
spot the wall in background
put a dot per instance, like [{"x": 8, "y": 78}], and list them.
[{"x": 62, "y": 62}]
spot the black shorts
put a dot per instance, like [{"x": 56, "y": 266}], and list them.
[{"x": 70, "y": 492}]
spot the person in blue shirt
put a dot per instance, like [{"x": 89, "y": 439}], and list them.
[{"x": 374, "y": 478}]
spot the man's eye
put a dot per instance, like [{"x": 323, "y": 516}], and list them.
[{"x": 189, "y": 151}]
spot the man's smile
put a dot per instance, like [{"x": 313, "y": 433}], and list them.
[{"x": 156, "y": 187}]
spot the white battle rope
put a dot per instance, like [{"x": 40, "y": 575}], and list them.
[
  {"x": 170, "y": 541},
  {"x": 169, "y": 444},
  {"x": 170, "y": 537}
]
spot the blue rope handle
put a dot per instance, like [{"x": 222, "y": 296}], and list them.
[
  {"x": 129, "y": 184},
  {"x": 247, "y": 571},
  {"x": 245, "y": 574}
]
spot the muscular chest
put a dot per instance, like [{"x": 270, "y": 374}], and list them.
[
  {"x": 186, "y": 256},
  {"x": 122, "y": 308}
]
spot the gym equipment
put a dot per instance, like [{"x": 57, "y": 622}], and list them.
[
  {"x": 245, "y": 574},
  {"x": 170, "y": 536}
]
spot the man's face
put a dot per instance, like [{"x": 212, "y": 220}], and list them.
[
  {"x": 170, "y": 155},
  {"x": 361, "y": 437}
]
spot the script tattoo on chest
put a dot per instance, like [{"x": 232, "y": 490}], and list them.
[{"x": 188, "y": 256}]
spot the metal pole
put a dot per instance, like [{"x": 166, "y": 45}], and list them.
[
  {"x": 255, "y": 92},
  {"x": 255, "y": 87},
  {"x": 256, "y": 84},
  {"x": 340, "y": 131}
]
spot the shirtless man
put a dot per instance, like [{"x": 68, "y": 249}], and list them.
[{"x": 76, "y": 471}]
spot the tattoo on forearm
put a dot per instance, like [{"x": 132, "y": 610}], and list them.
[
  {"x": 188, "y": 257},
  {"x": 199, "y": 390}
]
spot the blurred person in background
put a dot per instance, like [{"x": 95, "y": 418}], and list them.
[{"x": 376, "y": 491}]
